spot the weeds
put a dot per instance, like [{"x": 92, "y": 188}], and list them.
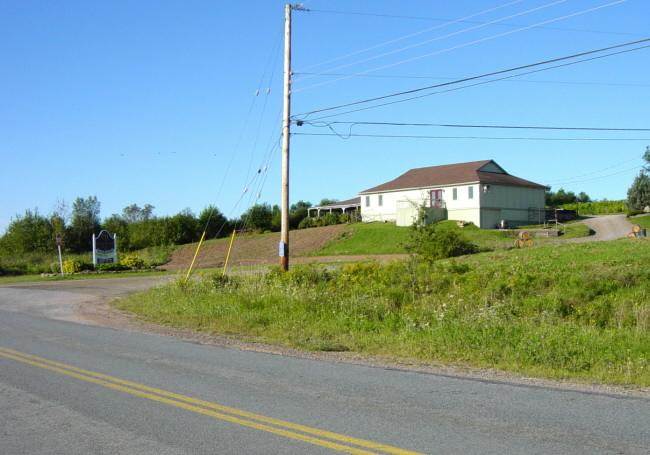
[{"x": 579, "y": 311}]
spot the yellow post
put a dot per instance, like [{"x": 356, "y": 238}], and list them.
[
  {"x": 232, "y": 239},
  {"x": 196, "y": 253}
]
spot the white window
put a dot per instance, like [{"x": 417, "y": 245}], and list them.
[
  {"x": 470, "y": 193},
  {"x": 367, "y": 201},
  {"x": 455, "y": 194},
  {"x": 380, "y": 200}
]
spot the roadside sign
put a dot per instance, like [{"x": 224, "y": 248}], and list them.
[
  {"x": 59, "y": 240},
  {"x": 104, "y": 248}
]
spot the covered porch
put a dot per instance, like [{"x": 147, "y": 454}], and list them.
[{"x": 348, "y": 206}]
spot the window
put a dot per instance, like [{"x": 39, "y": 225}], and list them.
[
  {"x": 470, "y": 193},
  {"x": 455, "y": 194},
  {"x": 380, "y": 200},
  {"x": 367, "y": 201}
]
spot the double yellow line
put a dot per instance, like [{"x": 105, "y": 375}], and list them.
[{"x": 323, "y": 438}]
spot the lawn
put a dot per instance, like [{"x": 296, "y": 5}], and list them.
[
  {"x": 643, "y": 221},
  {"x": 387, "y": 238},
  {"x": 575, "y": 311}
]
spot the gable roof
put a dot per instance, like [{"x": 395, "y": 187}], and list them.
[{"x": 452, "y": 174}]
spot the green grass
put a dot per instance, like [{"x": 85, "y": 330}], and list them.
[
  {"x": 387, "y": 238},
  {"x": 643, "y": 221},
  {"x": 368, "y": 238},
  {"x": 578, "y": 312},
  {"x": 78, "y": 276},
  {"x": 36, "y": 263}
]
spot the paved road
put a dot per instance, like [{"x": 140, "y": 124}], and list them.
[{"x": 115, "y": 391}]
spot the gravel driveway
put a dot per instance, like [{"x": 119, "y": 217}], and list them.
[{"x": 609, "y": 227}]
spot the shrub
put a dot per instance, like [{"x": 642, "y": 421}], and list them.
[
  {"x": 75, "y": 266},
  {"x": 436, "y": 241},
  {"x": 132, "y": 261},
  {"x": 112, "y": 267}
]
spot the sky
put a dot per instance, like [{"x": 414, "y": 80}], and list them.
[{"x": 177, "y": 104}]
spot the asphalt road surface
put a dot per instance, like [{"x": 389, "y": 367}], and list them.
[{"x": 71, "y": 388}]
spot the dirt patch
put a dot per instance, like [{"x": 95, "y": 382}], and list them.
[{"x": 255, "y": 249}]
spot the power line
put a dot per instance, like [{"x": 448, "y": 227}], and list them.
[
  {"x": 480, "y": 76},
  {"x": 412, "y": 76},
  {"x": 624, "y": 171},
  {"x": 466, "y": 125},
  {"x": 410, "y": 35},
  {"x": 470, "y": 43},
  {"x": 566, "y": 179},
  {"x": 436, "y": 38},
  {"x": 507, "y": 138},
  {"x": 462, "y": 21}
]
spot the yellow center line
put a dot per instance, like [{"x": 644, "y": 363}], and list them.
[{"x": 221, "y": 412}]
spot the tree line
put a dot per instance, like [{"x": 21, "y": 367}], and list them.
[{"x": 136, "y": 227}]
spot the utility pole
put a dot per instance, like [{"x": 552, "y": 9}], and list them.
[{"x": 286, "y": 132}]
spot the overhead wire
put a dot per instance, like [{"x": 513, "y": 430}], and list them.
[
  {"x": 566, "y": 179},
  {"x": 531, "y": 81},
  {"x": 546, "y": 62},
  {"x": 470, "y": 43},
  {"x": 624, "y": 171},
  {"x": 469, "y": 125},
  {"x": 465, "y": 21},
  {"x": 410, "y": 35},
  {"x": 509, "y": 138},
  {"x": 440, "y": 37}
]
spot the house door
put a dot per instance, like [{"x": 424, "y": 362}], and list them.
[{"x": 436, "y": 199}]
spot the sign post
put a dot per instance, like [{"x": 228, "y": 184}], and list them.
[
  {"x": 59, "y": 242},
  {"x": 104, "y": 248}
]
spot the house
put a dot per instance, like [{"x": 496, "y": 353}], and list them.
[{"x": 481, "y": 192}]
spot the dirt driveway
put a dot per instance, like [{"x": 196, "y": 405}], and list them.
[
  {"x": 608, "y": 227},
  {"x": 82, "y": 301}
]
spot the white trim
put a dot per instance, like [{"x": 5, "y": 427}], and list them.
[{"x": 428, "y": 187}]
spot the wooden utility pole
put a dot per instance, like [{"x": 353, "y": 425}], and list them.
[{"x": 286, "y": 138}]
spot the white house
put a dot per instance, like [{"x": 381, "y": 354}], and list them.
[{"x": 481, "y": 192}]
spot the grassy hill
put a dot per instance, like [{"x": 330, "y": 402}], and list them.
[
  {"x": 581, "y": 311},
  {"x": 387, "y": 238}
]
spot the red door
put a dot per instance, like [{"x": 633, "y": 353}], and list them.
[{"x": 436, "y": 199}]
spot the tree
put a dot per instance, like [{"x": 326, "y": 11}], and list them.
[
  {"x": 583, "y": 197},
  {"x": 134, "y": 213},
  {"x": 218, "y": 225},
  {"x": 298, "y": 212},
  {"x": 326, "y": 201},
  {"x": 259, "y": 217},
  {"x": 85, "y": 222},
  {"x": 638, "y": 196},
  {"x": 28, "y": 233},
  {"x": 115, "y": 224}
]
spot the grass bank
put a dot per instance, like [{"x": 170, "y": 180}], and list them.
[
  {"x": 387, "y": 238},
  {"x": 577, "y": 311}
]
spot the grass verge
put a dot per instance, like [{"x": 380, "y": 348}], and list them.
[
  {"x": 578, "y": 312},
  {"x": 78, "y": 276}
]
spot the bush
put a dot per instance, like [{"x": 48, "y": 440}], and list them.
[
  {"x": 112, "y": 267},
  {"x": 75, "y": 266},
  {"x": 598, "y": 207},
  {"x": 132, "y": 261},
  {"x": 436, "y": 241}
]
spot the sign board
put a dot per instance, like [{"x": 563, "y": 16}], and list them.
[
  {"x": 282, "y": 249},
  {"x": 104, "y": 248},
  {"x": 59, "y": 240}
]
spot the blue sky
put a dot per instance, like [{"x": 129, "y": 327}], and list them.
[{"x": 147, "y": 102}]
